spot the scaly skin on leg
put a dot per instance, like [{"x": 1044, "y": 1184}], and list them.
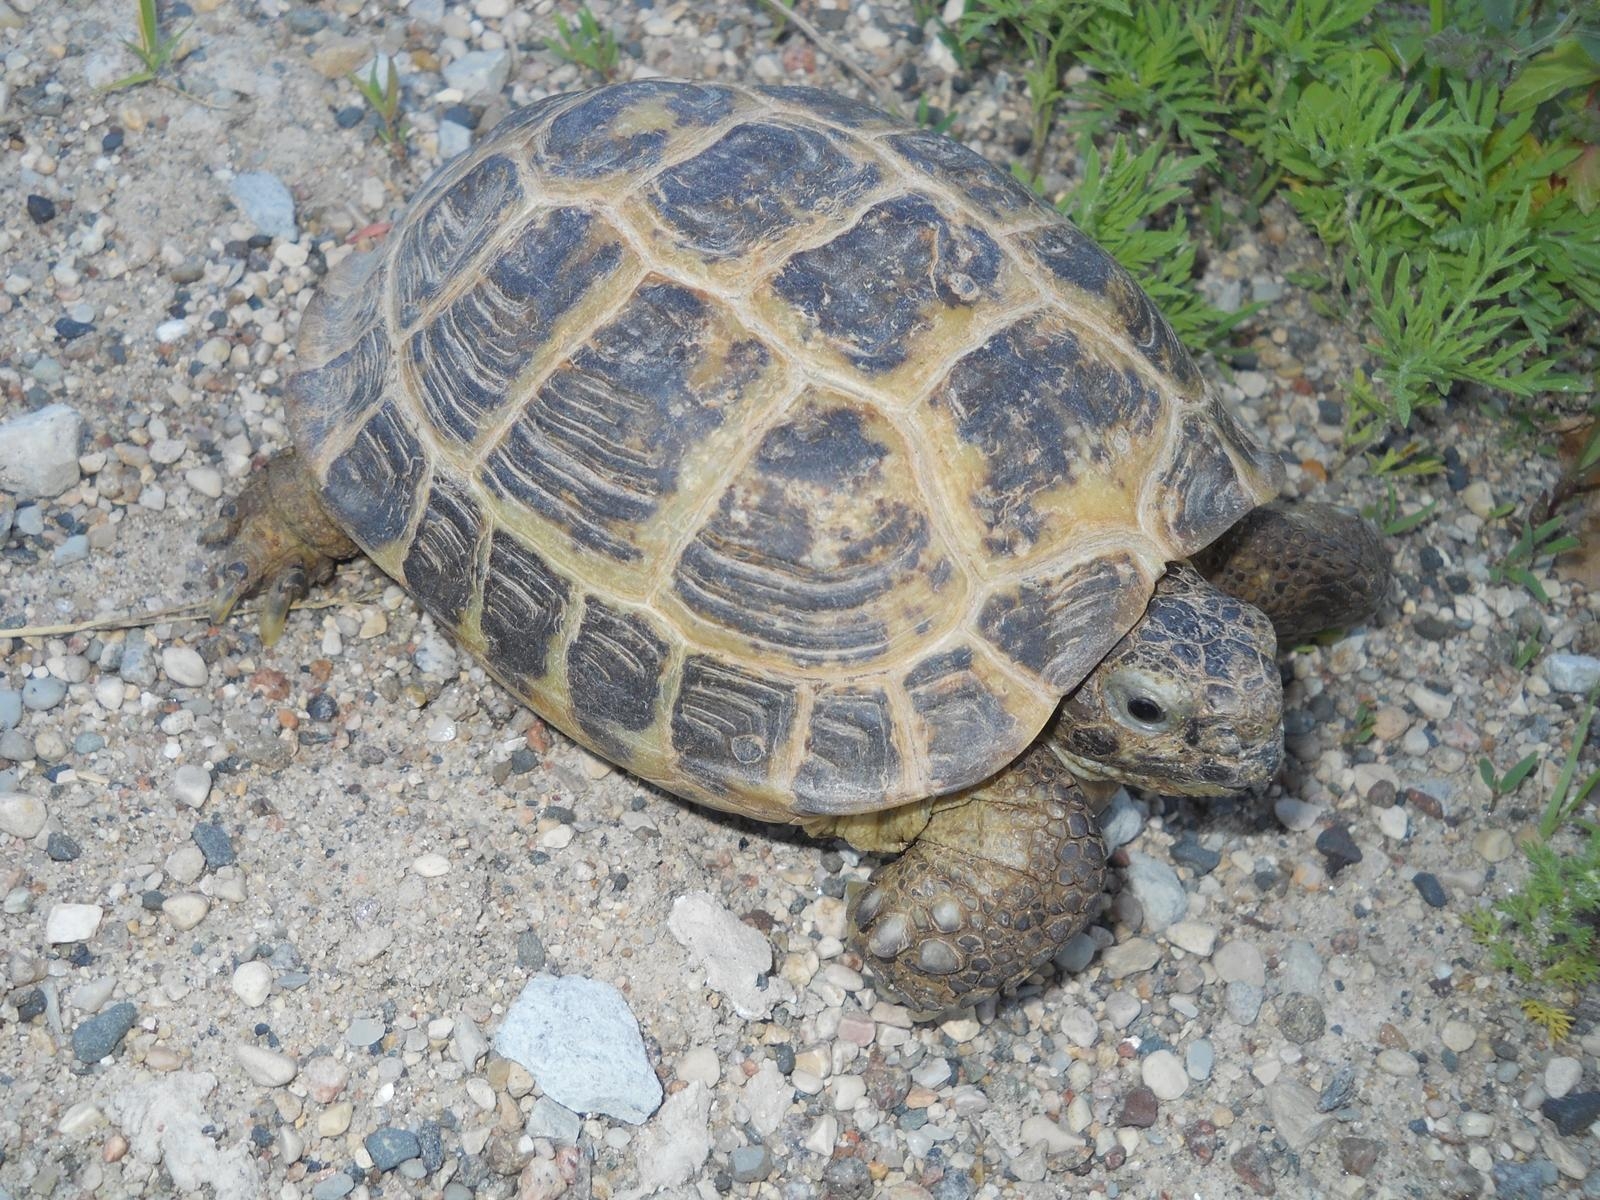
[
  {"x": 1309, "y": 567},
  {"x": 1000, "y": 879},
  {"x": 279, "y": 539}
]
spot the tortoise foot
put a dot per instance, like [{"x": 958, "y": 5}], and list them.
[
  {"x": 999, "y": 881},
  {"x": 278, "y": 541},
  {"x": 1308, "y": 566}
]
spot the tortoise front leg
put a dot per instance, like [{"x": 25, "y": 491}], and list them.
[
  {"x": 279, "y": 539},
  {"x": 999, "y": 880},
  {"x": 1308, "y": 566}
]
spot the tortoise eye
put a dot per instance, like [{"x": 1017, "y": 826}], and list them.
[{"x": 1142, "y": 708}]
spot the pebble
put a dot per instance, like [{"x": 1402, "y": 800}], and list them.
[
  {"x": 10, "y": 703},
  {"x": 61, "y": 848},
  {"x": 1573, "y": 1113},
  {"x": 185, "y": 864},
  {"x": 269, "y": 1068},
  {"x": 1339, "y": 849},
  {"x": 1240, "y": 962},
  {"x": 185, "y": 910},
  {"x": 1130, "y": 957},
  {"x": 1199, "y": 1058},
  {"x": 554, "y": 1121},
  {"x": 75, "y": 549},
  {"x": 1397, "y": 1063},
  {"x": 736, "y": 958},
  {"x": 1196, "y": 937},
  {"x": 1079, "y": 1027},
  {"x": 479, "y": 73},
  {"x": 1295, "y": 1114},
  {"x": 184, "y": 666},
  {"x": 580, "y": 1041},
  {"x": 431, "y": 866},
  {"x": 1301, "y": 1018},
  {"x": 1561, "y": 1074},
  {"x": 102, "y": 1033},
  {"x": 1121, "y": 821},
  {"x": 68, "y": 923},
  {"x": 191, "y": 785},
  {"x": 1139, "y": 1109},
  {"x": 1493, "y": 845},
  {"x": 41, "y": 695},
  {"x": 324, "y": 1078},
  {"x": 1574, "y": 674},
  {"x": 266, "y": 202},
  {"x": 750, "y": 1164},
  {"x": 1430, "y": 889},
  {"x": 389, "y": 1147},
  {"x": 363, "y": 1032},
  {"x": 1164, "y": 1074},
  {"x": 1157, "y": 888},
  {"x": 252, "y": 983},
  {"x": 39, "y": 452},
  {"x": 22, "y": 815},
  {"x": 1460, "y": 1037},
  {"x": 1394, "y": 823},
  {"x": 1243, "y": 1001},
  {"x": 215, "y": 844},
  {"x": 699, "y": 1065}
]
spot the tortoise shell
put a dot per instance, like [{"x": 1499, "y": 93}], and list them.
[{"x": 795, "y": 459}]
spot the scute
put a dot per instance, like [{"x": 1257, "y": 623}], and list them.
[{"x": 795, "y": 458}]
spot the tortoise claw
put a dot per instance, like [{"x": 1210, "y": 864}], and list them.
[
  {"x": 289, "y": 587},
  {"x": 234, "y": 583}
]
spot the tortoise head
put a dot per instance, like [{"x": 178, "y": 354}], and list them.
[{"x": 1189, "y": 702}]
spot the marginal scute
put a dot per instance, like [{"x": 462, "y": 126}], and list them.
[
  {"x": 343, "y": 390},
  {"x": 730, "y": 725},
  {"x": 967, "y": 173},
  {"x": 961, "y": 719},
  {"x": 467, "y": 359},
  {"x": 1061, "y": 623},
  {"x": 626, "y": 127},
  {"x": 600, "y": 446},
  {"x": 1044, "y": 411},
  {"x": 1200, "y": 493},
  {"x": 820, "y": 549},
  {"x": 371, "y": 486},
  {"x": 850, "y": 761},
  {"x": 614, "y": 667},
  {"x": 524, "y": 602},
  {"x": 832, "y": 107},
  {"x": 869, "y": 291},
  {"x": 754, "y": 185},
  {"x": 437, "y": 242},
  {"x": 439, "y": 567}
]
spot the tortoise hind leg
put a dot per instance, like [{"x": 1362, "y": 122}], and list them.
[
  {"x": 1308, "y": 566},
  {"x": 280, "y": 541},
  {"x": 998, "y": 881}
]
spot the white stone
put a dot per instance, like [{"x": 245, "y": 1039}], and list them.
[
  {"x": 1394, "y": 823},
  {"x": 1164, "y": 1074},
  {"x": 1039, "y": 1130},
  {"x": 1196, "y": 937},
  {"x": 430, "y": 866},
  {"x": 699, "y": 1064},
  {"x": 269, "y": 1068},
  {"x": 184, "y": 666},
  {"x": 191, "y": 785},
  {"x": 22, "y": 815},
  {"x": 252, "y": 983},
  {"x": 1240, "y": 962},
  {"x": 185, "y": 910},
  {"x": 1158, "y": 889},
  {"x": 72, "y": 923},
  {"x": 1459, "y": 1036},
  {"x": 676, "y": 1143},
  {"x": 848, "y": 1091},
  {"x": 1574, "y": 674},
  {"x": 1561, "y": 1075},
  {"x": 734, "y": 956},
  {"x": 39, "y": 452},
  {"x": 166, "y": 1121}
]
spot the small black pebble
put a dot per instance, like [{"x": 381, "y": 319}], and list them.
[
  {"x": 152, "y": 900},
  {"x": 322, "y": 707},
  {"x": 462, "y": 115},
  {"x": 1337, "y": 846},
  {"x": 530, "y": 951},
  {"x": 69, "y": 330},
  {"x": 349, "y": 116},
  {"x": 523, "y": 760},
  {"x": 1573, "y": 1114},
  {"x": 783, "y": 1055},
  {"x": 61, "y": 848},
  {"x": 30, "y": 1005},
  {"x": 112, "y": 141},
  {"x": 261, "y": 1136},
  {"x": 1418, "y": 1126},
  {"x": 1430, "y": 889},
  {"x": 41, "y": 209},
  {"x": 561, "y": 813},
  {"x": 1187, "y": 851}
]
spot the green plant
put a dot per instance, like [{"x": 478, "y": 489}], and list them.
[
  {"x": 1526, "y": 650},
  {"x": 1392, "y": 520},
  {"x": 1362, "y": 725},
  {"x": 384, "y": 100},
  {"x": 154, "y": 49},
  {"x": 1501, "y": 786},
  {"x": 585, "y": 44},
  {"x": 1533, "y": 543}
]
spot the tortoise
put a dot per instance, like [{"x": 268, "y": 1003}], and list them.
[{"x": 806, "y": 465}]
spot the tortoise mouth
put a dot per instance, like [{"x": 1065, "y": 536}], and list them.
[{"x": 1186, "y": 773}]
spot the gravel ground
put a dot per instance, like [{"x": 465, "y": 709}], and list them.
[{"x": 340, "y": 919}]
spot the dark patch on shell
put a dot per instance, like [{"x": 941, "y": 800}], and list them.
[
  {"x": 850, "y": 758},
  {"x": 614, "y": 670},
  {"x": 612, "y": 130},
  {"x": 371, "y": 487},
  {"x": 967, "y": 173},
  {"x": 524, "y": 600},
  {"x": 730, "y": 725},
  {"x": 436, "y": 244},
  {"x": 1060, "y": 626},
  {"x": 439, "y": 567},
  {"x": 962, "y": 719}
]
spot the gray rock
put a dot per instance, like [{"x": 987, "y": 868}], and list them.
[
  {"x": 1294, "y": 1111},
  {"x": 39, "y": 453},
  {"x": 750, "y": 1164},
  {"x": 453, "y": 140},
  {"x": 1243, "y": 1001},
  {"x": 735, "y": 957},
  {"x": 1574, "y": 674},
  {"x": 334, "y": 1187},
  {"x": 30, "y": 520},
  {"x": 363, "y": 1032},
  {"x": 17, "y": 747},
  {"x": 1199, "y": 1058},
  {"x": 389, "y": 1147},
  {"x": 479, "y": 73},
  {"x": 41, "y": 695},
  {"x": 1121, "y": 821},
  {"x": 102, "y": 1033},
  {"x": 22, "y": 815},
  {"x": 1159, "y": 891},
  {"x": 74, "y": 549},
  {"x": 550, "y": 1120},
  {"x": 138, "y": 665},
  {"x": 581, "y": 1043},
  {"x": 215, "y": 844},
  {"x": 10, "y": 708},
  {"x": 1300, "y": 969},
  {"x": 266, "y": 203},
  {"x": 1523, "y": 1181},
  {"x": 1076, "y": 954}
]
